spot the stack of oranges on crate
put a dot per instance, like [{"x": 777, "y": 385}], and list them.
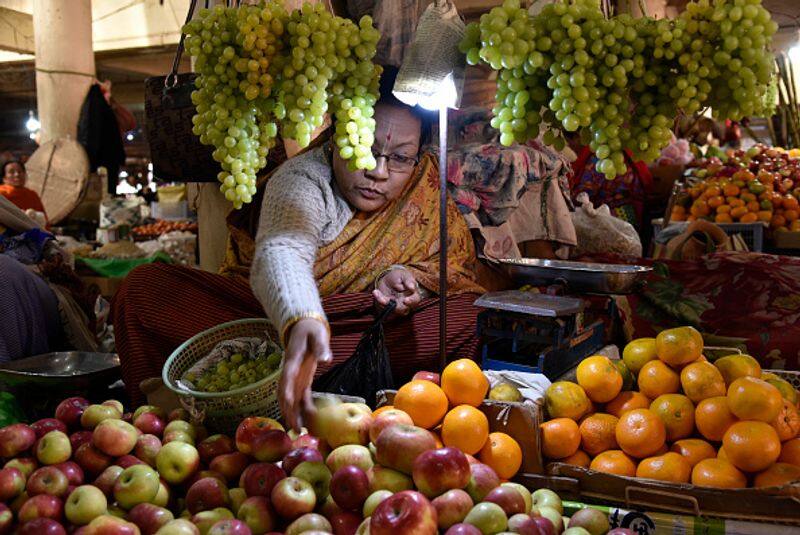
[
  {"x": 449, "y": 408},
  {"x": 724, "y": 425}
]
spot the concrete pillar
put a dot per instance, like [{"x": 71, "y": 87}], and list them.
[{"x": 63, "y": 42}]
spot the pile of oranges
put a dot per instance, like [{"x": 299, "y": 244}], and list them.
[
  {"x": 450, "y": 411},
  {"x": 723, "y": 425}
]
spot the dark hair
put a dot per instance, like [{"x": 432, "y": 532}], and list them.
[
  {"x": 425, "y": 117},
  {"x": 9, "y": 162}
]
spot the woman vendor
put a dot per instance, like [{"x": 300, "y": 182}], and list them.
[
  {"x": 331, "y": 244},
  {"x": 13, "y": 188}
]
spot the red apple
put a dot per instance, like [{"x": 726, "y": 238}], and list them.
[
  {"x": 111, "y": 525},
  {"x": 310, "y": 441},
  {"x": 70, "y": 410},
  {"x": 387, "y": 418},
  {"x": 149, "y": 423},
  {"x": 47, "y": 480},
  {"x": 590, "y": 519},
  {"x": 230, "y": 465},
  {"x": 230, "y": 527},
  {"x": 17, "y": 503},
  {"x": 12, "y": 483},
  {"x": 206, "y": 494},
  {"x": 381, "y": 478},
  {"x": 426, "y": 376},
  {"x": 345, "y": 523},
  {"x": 309, "y": 522},
  {"x": 149, "y": 518},
  {"x": 152, "y": 409},
  {"x": 260, "y": 478},
  {"x": 293, "y": 497},
  {"x": 126, "y": 461},
  {"x": 41, "y": 506},
  {"x": 297, "y": 456},
  {"x": 620, "y": 531},
  {"x": 482, "y": 480},
  {"x": 452, "y": 507},
  {"x": 404, "y": 512},
  {"x": 105, "y": 481},
  {"x": 45, "y": 425},
  {"x": 342, "y": 423},
  {"x": 545, "y": 526},
  {"x": 26, "y": 465},
  {"x": 114, "y": 437},
  {"x": 114, "y": 403},
  {"x": 270, "y": 446},
  {"x": 354, "y": 454},
  {"x": 178, "y": 414},
  {"x": 41, "y": 526},
  {"x": 399, "y": 445},
  {"x": 251, "y": 427},
  {"x": 6, "y": 519},
  {"x": 257, "y": 513},
  {"x": 147, "y": 447},
  {"x": 16, "y": 439},
  {"x": 94, "y": 414},
  {"x": 350, "y": 488},
  {"x": 91, "y": 459},
  {"x": 437, "y": 471},
  {"x": 508, "y": 499},
  {"x": 206, "y": 473},
  {"x": 214, "y": 446},
  {"x": 73, "y": 472},
  {"x": 78, "y": 438},
  {"x": 463, "y": 529}
]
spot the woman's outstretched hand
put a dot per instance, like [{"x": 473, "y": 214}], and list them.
[
  {"x": 308, "y": 344},
  {"x": 399, "y": 285}
]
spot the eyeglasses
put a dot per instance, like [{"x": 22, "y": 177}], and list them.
[{"x": 396, "y": 163}]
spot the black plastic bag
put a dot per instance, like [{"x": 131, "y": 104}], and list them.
[{"x": 367, "y": 371}]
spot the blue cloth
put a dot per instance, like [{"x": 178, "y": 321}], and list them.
[{"x": 27, "y": 247}]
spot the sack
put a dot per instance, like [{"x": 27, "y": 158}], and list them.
[
  {"x": 600, "y": 232},
  {"x": 177, "y": 154},
  {"x": 700, "y": 238},
  {"x": 367, "y": 371}
]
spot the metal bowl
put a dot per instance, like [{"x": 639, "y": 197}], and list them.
[
  {"x": 577, "y": 276},
  {"x": 73, "y": 369}
]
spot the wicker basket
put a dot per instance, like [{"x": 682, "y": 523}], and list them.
[{"x": 222, "y": 411}]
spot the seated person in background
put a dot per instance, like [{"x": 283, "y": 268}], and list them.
[{"x": 13, "y": 188}]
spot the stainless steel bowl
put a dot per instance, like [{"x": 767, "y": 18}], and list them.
[
  {"x": 73, "y": 369},
  {"x": 577, "y": 276}
]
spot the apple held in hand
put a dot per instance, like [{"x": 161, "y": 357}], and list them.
[
  {"x": 70, "y": 410},
  {"x": 405, "y": 512},
  {"x": 84, "y": 504},
  {"x": 177, "y": 462},
  {"x": 114, "y": 437},
  {"x": 205, "y": 494},
  {"x": 149, "y": 518},
  {"x": 292, "y": 497},
  {"x": 260, "y": 478},
  {"x": 47, "y": 480},
  {"x": 16, "y": 439},
  {"x": 136, "y": 484},
  {"x": 257, "y": 513},
  {"x": 12, "y": 483},
  {"x": 452, "y": 507},
  {"x": 399, "y": 445},
  {"x": 437, "y": 471}
]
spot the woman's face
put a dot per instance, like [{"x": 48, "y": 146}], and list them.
[
  {"x": 14, "y": 175},
  {"x": 397, "y": 133}
]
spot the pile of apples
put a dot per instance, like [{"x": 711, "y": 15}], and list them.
[{"x": 93, "y": 470}]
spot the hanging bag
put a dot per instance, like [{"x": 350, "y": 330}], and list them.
[
  {"x": 176, "y": 153},
  {"x": 367, "y": 371}
]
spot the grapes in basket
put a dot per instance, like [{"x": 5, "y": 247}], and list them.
[{"x": 233, "y": 364}]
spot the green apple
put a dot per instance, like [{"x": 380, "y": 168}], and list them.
[
  {"x": 487, "y": 517},
  {"x": 547, "y": 498},
  {"x": 576, "y": 531},
  {"x": 205, "y": 519},
  {"x": 53, "y": 448},
  {"x": 94, "y": 414},
  {"x": 309, "y": 522},
  {"x": 553, "y": 516},
  {"x": 84, "y": 504},
  {"x": 182, "y": 426},
  {"x": 318, "y": 475},
  {"x": 590, "y": 519},
  {"x": 180, "y": 526},
  {"x": 136, "y": 484},
  {"x": 373, "y": 500},
  {"x": 111, "y": 524},
  {"x": 162, "y": 496},
  {"x": 237, "y": 496},
  {"x": 177, "y": 461},
  {"x": 526, "y": 494}
]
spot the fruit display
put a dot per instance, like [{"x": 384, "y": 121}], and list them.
[
  {"x": 725, "y": 424},
  {"x": 573, "y": 69},
  {"x": 761, "y": 184},
  {"x": 162, "y": 226},
  {"x": 94, "y": 470},
  {"x": 233, "y": 371},
  {"x": 260, "y": 67}
]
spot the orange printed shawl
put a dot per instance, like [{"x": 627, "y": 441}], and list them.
[{"x": 405, "y": 232}]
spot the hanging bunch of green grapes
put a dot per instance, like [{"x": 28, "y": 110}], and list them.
[
  {"x": 619, "y": 82},
  {"x": 262, "y": 69}
]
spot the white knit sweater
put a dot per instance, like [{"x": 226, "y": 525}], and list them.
[{"x": 302, "y": 211}]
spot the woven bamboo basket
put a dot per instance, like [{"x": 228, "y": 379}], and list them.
[{"x": 222, "y": 411}]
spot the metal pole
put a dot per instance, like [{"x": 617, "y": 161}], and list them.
[{"x": 442, "y": 237}]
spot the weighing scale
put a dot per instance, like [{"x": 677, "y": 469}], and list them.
[{"x": 549, "y": 332}]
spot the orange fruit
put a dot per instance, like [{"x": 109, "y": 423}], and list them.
[
  {"x": 379, "y": 410},
  {"x": 753, "y": 399},
  {"x": 677, "y": 413},
  {"x": 694, "y": 450},
  {"x": 702, "y": 380},
  {"x": 599, "y": 378},
  {"x": 656, "y": 378},
  {"x": 627, "y": 401},
  {"x": 465, "y": 428},
  {"x": 598, "y": 433},
  {"x": 614, "y": 462},
  {"x": 670, "y": 467},
  {"x": 713, "y": 417},
  {"x": 640, "y": 433},
  {"x": 679, "y": 346},
  {"x": 464, "y": 383},
  {"x": 502, "y": 454},
  {"x": 579, "y": 458},
  {"x": 560, "y": 438},
  {"x": 751, "y": 446},
  {"x": 638, "y": 353},
  {"x": 718, "y": 473},
  {"x": 424, "y": 401},
  {"x": 777, "y": 475},
  {"x": 733, "y": 367},
  {"x": 565, "y": 399},
  {"x": 721, "y": 454},
  {"x": 787, "y": 424},
  {"x": 790, "y": 452}
]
